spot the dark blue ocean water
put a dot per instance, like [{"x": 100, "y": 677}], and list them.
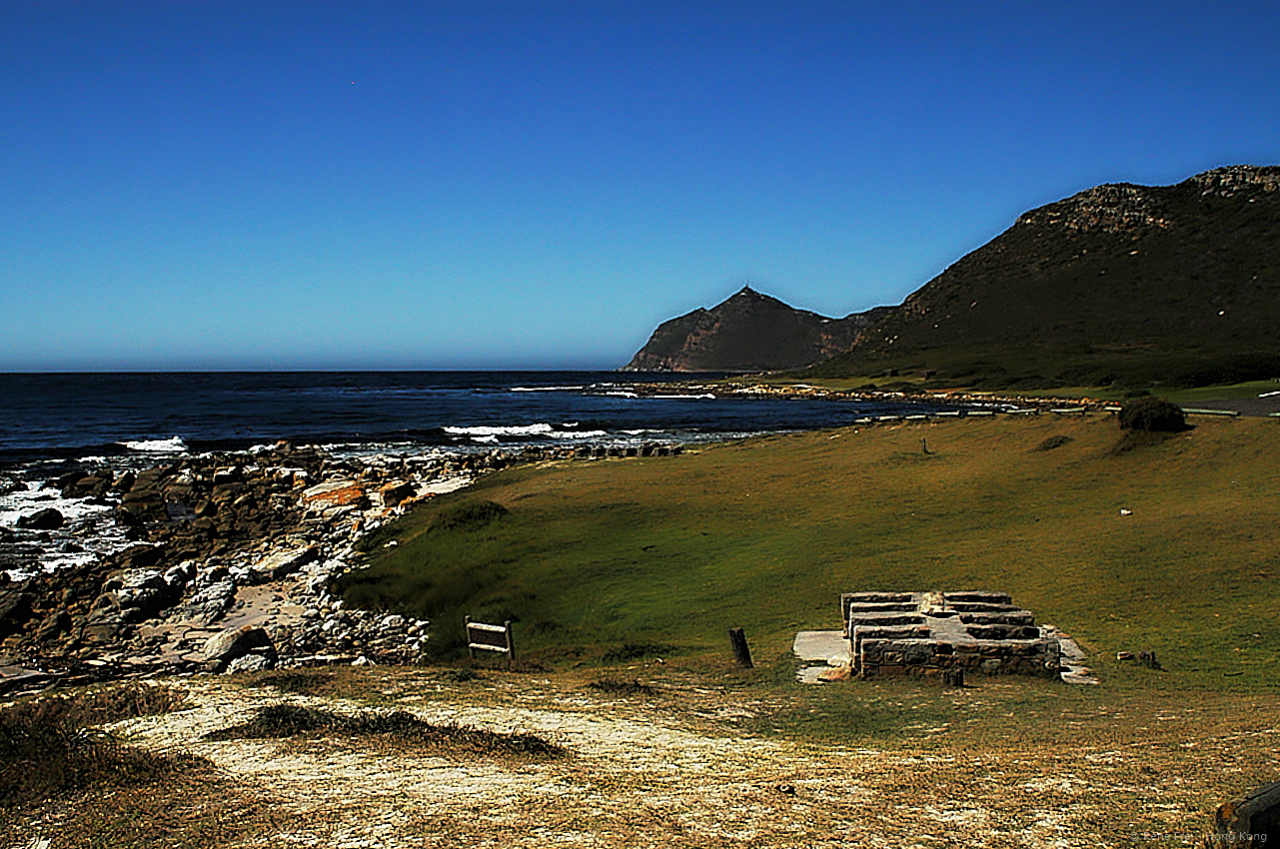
[{"x": 47, "y": 416}]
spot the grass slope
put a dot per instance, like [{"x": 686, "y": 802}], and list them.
[{"x": 765, "y": 534}]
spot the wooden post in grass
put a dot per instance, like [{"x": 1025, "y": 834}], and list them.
[{"x": 741, "y": 652}]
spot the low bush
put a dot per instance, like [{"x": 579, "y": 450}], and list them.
[
  {"x": 96, "y": 706},
  {"x": 283, "y": 720},
  {"x": 45, "y": 756},
  {"x": 1152, "y": 415}
]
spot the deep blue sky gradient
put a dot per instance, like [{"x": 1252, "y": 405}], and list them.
[{"x": 487, "y": 184}]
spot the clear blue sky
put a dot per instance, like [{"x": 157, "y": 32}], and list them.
[{"x": 476, "y": 184}]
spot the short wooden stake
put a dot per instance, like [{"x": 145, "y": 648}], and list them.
[{"x": 741, "y": 652}]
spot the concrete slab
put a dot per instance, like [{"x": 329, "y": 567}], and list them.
[
  {"x": 819, "y": 649},
  {"x": 821, "y": 645}
]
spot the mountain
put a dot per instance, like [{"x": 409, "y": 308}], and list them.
[
  {"x": 1121, "y": 283},
  {"x": 749, "y": 332}
]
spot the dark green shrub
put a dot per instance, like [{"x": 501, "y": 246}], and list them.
[
  {"x": 1152, "y": 415},
  {"x": 282, "y": 720}
]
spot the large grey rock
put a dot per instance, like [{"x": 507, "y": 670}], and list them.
[
  {"x": 395, "y": 492},
  {"x": 224, "y": 648},
  {"x": 249, "y": 663},
  {"x": 47, "y": 519},
  {"x": 282, "y": 563},
  {"x": 212, "y": 600},
  {"x": 139, "y": 593}
]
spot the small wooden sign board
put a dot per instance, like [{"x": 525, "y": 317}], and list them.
[{"x": 495, "y": 638}]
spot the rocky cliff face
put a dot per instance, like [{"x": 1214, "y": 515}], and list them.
[
  {"x": 1127, "y": 283},
  {"x": 748, "y": 332}
]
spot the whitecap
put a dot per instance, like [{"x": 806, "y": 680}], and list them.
[
  {"x": 172, "y": 445},
  {"x": 513, "y": 430},
  {"x": 577, "y": 434}
]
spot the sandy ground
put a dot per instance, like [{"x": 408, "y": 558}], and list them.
[{"x": 672, "y": 771}]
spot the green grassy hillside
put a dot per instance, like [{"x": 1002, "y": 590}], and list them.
[{"x": 766, "y": 534}]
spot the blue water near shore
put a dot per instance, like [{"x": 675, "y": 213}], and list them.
[{"x": 65, "y": 416}]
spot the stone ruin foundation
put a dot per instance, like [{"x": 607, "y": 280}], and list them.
[{"x": 936, "y": 633}]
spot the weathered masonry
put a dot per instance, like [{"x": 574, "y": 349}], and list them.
[{"x": 927, "y": 633}]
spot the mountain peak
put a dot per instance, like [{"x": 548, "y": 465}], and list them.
[{"x": 749, "y": 331}]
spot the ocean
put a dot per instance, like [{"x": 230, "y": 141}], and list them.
[
  {"x": 54, "y": 424},
  {"x": 49, "y": 417}
]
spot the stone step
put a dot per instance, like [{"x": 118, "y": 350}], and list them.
[{"x": 980, "y": 596}]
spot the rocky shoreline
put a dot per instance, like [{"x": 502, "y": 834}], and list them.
[{"x": 225, "y": 563}]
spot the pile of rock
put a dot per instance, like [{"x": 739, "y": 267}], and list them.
[{"x": 225, "y": 543}]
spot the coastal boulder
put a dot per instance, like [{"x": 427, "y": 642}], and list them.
[
  {"x": 338, "y": 493},
  {"x": 139, "y": 593},
  {"x": 47, "y": 519},
  {"x": 225, "y": 647},
  {"x": 281, "y": 564},
  {"x": 211, "y": 601},
  {"x": 395, "y": 492},
  {"x": 15, "y": 608},
  {"x": 56, "y": 623}
]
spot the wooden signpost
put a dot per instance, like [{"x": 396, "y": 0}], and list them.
[{"x": 497, "y": 638}]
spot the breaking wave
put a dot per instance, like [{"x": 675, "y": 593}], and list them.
[{"x": 172, "y": 445}]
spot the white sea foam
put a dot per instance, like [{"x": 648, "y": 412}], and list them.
[
  {"x": 513, "y": 430},
  {"x": 36, "y": 497},
  {"x": 702, "y": 397},
  {"x": 172, "y": 445},
  {"x": 78, "y": 512},
  {"x": 490, "y": 435},
  {"x": 547, "y": 388},
  {"x": 621, "y": 393}
]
